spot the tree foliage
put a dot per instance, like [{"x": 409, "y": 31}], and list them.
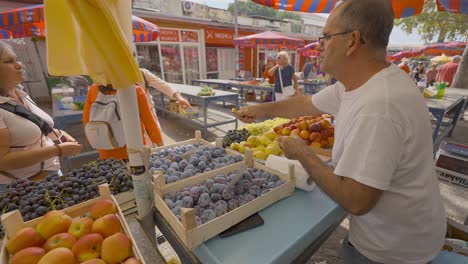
[
  {"x": 432, "y": 24},
  {"x": 250, "y": 8}
]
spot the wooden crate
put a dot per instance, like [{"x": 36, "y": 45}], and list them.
[
  {"x": 198, "y": 139},
  {"x": 13, "y": 222},
  {"x": 188, "y": 231}
]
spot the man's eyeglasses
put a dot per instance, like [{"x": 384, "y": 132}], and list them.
[{"x": 324, "y": 37}]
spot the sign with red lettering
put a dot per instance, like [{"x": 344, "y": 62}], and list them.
[
  {"x": 169, "y": 35},
  {"x": 222, "y": 36},
  {"x": 189, "y": 36}
]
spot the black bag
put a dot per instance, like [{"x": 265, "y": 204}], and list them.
[{"x": 25, "y": 113}]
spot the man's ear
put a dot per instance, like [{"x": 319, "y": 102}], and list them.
[{"x": 354, "y": 43}]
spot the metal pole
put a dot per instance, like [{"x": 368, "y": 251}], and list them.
[{"x": 236, "y": 35}]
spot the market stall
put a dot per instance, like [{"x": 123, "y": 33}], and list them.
[{"x": 202, "y": 116}]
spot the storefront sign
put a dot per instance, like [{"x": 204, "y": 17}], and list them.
[
  {"x": 169, "y": 35},
  {"x": 222, "y": 36},
  {"x": 189, "y": 36}
]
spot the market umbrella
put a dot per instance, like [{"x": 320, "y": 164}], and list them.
[
  {"x": 449, "y": 48},
  {"x": 442, "y": 59},
  {"x": 269, "y": 40},
  {"x": 29, "y": 22},
  {"x": 401, "y": 8},
  {"x": 94, "y": 37},
  {"x": 309, "y": 50}
]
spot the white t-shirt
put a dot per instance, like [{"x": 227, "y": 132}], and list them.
[
  {"x": 383, "y": 139},
  {"x": 25, "y": 133}
]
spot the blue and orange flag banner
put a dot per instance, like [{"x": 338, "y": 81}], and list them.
[{"x": 29, "y": 22}]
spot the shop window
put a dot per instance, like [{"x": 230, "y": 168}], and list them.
[
  {"x": 172, "y": 63},
  {"x": 191, "y": 59},
  {"x": 148, "y": 58}
]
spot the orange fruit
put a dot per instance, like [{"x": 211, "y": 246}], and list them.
[{"x": 316, "y": 144}]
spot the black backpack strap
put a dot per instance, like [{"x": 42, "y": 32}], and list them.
[{"x": 26, "y": 114}]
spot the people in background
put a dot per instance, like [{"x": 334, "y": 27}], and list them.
[
  {"x": 448, "y": 70},
  {"x": 287, "y": 78},
  {"x": 270, "y": 64},
  {"x": 309, "y": 70},
  {"x": 431, "y": 74},
  {"x": 382, "y": 164},
  {"x": 419, "y": 73},
  {"x": 26, "y": 152},
  {"x": 404, "y": 65}
]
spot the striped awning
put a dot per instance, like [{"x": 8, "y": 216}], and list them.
[
  {"x": 268, "y": 40},
  {"x": 401, "y": 8},
  {"x": 29, "y": 22},
  {"x": 453, "y": 6},
  {"x": 448, "y": 48},
  {"x": 309, "y": 50}
]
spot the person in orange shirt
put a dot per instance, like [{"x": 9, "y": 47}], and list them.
[
  {"x": 404, "y": 66},
  {"x": 270, "y": 64},
  {"x": 147, "y": 119}
]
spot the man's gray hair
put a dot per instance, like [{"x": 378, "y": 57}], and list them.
[{"x": 373, "y": 18}]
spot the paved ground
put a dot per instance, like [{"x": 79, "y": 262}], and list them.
[{"x": 456, "y": 199}]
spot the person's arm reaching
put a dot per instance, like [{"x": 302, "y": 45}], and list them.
[
  {"x": 149, "y": 121},
  {"x": 292, "y": 107},
  {"x": 271, "y": 72},
  {"x": 165, "y": 88}
]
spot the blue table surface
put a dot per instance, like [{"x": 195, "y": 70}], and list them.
[{"x": 291, "y": 225}]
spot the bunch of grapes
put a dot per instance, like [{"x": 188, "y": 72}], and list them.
[
  {"x": 216, "y": 197},
  {"x": 235, "y": 136},
  {"x": 36, "y": 198},
  {"x": 172, "y": 163}
]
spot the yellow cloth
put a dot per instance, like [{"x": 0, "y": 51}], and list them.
[{"x": 91, "y": 37}]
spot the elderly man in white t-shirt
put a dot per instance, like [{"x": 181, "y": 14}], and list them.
[{"x": 383, "y": 170}]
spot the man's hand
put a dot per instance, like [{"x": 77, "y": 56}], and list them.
[
  {"x": 293, "y": 146},
  {"x": 249, "y": 114},
  {"x": 182, "y": 101}
]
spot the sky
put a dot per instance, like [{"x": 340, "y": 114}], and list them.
[{"x": 398, "y": 36}]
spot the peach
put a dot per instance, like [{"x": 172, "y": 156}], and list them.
[
  {"x": 315, "y": 127},
  {"x": 316, "y": 144},
  {"x": 80, "y": 226},
  {"x": 103, "y": 207},
  {"x": 324, "y": 134},
  {"x": 116, "y": 248},
  {"x": 88, "y": 247},
  {"x": 278, "y": 129},
  {"x": 286, "y": 131},
  {"x": 24, "y": 238},
  {"x": 132, "y": 261},
  {"x": 30, "y": 255},
  {"x": 324, "y": 124},
  {"x": 304, "y": 134},
  {"x": 52, "y": 223},
  {"x": 58, "y": 256},
  {"x": 331, "y": 141},
  {"x": 94, "y": 261},
  {"x": 302, "y": 125},
  {"x": 314, "y": 136},
  {"x": 107, "y": 225},
  {"x": 324, "y": 143},
  {"x": 65, "y": 240}
]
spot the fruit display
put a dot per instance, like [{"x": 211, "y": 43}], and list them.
[
  {"x": 258, "y": 129},
  {"x": 206, "y": 91},
  {"x": 57, "y": 238},
  {"x": 185, "y": 161},
  {"x": 266, "y": 85},
  {"x": 235, "y": 136},
  {"x": 251, "y": 82},
  {"x": 218, "y": 196},
  {"x": 36, "y": 198},
  {"x": 316, "y": 131}
]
